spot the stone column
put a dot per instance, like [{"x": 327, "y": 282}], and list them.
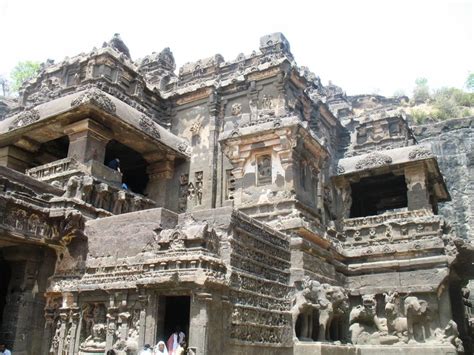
[
  {"x": 75, "y": 337},
  {"x": 143, "y": 299},
  {"x": 150, "y": 331},
  {"x": 159, "y": 173},
  {"x": 64, "y": 318},
  {"x": 199, "y": 322},
  {"x": 87, "y": 140},
  {"x": 112, "y": 317},
  {"x": 48, "y": 330},
  {"x": 417, "y": 190}
]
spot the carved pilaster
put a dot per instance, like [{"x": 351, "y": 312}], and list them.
[
  {"x": 198, "y": 337},
  {"x": 63, "y": 319},
  {"x": 143, "y": 299},
  {"x": 159, "y": 172},
  {"x": 73, "y": 333}
]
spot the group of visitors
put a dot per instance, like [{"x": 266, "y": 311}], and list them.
[{"x": 176, "y": 345}]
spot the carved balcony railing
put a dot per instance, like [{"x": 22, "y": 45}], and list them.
[
  {"x": 391, "y": 227},
  {"x": 55, "y": 169},
  {"x": 61, "y": 170}
]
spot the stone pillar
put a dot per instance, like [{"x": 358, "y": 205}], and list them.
[
  {"x": 64, "y": 318},
  {"x": 150, "y": 331},
  {"x": 48, "y": 330},
  {"x": 143, "y": 299},
  {"x": 112, "y": 317},
  {"x": 199, "y": 322},
  {"x": 159, "y": 173},
  {"x": 73, "y": 331},
  {"x": 87, "y": 141},
  {"x": 417, "y": 190}
]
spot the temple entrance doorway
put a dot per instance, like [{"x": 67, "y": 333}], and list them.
[
  {"x": 5, "y": 276},
  {"x": 173, "y": 312}
]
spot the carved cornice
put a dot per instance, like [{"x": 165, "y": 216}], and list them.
[
  {"x": 95, "y": 97},
  {"x": 148, "y": 126},
  {"x": 373, "y": 160},
  {"x": 25, "y": 118},
  {"x": 420, "y": 153}
]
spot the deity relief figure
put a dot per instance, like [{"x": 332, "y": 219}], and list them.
[
  {"x": 236, "y": 109},
  {"x": 264, "y": 169}
]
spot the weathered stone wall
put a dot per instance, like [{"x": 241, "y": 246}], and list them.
[
  {"x": 259, "y": 260},
  {"x": 452, "y": 142}
]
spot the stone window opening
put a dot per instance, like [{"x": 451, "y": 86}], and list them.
[
  {"x": 375, "y": 195},
  {"x": 173, "y": 313},
  {"x": 132, "y": 165},
  {"x": 264, "y": 169}
]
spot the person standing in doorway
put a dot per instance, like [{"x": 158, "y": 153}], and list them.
[
  {"x": 114, "y": 164},
  {"x": 174, "y": 340}
]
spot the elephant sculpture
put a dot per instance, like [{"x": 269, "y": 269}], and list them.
[
  {"x": 326, "y": 302},
  {"x": 396, "y": 324},
  {"x": 416, "y": 312},
  {"x": 333, "y": 302}
]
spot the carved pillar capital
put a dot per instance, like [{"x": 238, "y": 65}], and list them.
[
  {"x": 87, "y": 140},
  {"x": 162, "y": 169}
]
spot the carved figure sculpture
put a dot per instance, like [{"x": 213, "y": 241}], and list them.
[
  {"x": 450, "y": 335},
  {"x": 366, "y": 327},
  {"x": 396, "y": 324},
  {"x": 329, "y": 302},
  {"x": 96, "y": 340},
  {"x": 119, "y": 203},
  {"x": 73, "y": 187},
  {"x": 417, "y": 323},
  {"x": 333, "y": 302},
  {"x": 87, "y": 187},
  {"x": 100, "y": 200},
  {"x": 304, "y": 303}
]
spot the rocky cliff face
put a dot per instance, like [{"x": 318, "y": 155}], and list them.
[{"x": 452, "y": 142}]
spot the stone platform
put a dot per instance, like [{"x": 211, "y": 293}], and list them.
[{"x": 318, "y": 348}]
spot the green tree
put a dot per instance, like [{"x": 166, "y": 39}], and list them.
[
  {"x": 22, "y": 72},
  {"x": 421, "y": 93},
  {"x": 470, "y": 82},
  {"x": 4, "y": 86}
]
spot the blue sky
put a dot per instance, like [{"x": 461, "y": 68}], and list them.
[{"x": 363, "y": 46}]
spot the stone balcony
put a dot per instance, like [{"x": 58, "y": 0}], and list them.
[
  {"x": 92, "y": 184},
  {"x": 60, "y": 171},
  {"x": 408, "y": 230}
]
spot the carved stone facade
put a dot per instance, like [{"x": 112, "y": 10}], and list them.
[{"x": 265, "y": 212}]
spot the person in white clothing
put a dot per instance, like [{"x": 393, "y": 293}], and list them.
[
  {"x": 4, "y": 350},
  {"x": 147, "y": 350},
  {"x": 174, "y": 340},
  {"x": 160, "y": 348}
]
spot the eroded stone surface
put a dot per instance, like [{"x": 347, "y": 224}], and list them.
[{"x": 286, "y": 217}]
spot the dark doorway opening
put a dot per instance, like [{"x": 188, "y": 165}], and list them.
[
  {"x": 132, "y": 165},
  {"x": 176, "y": 314},
  {"x": 5, "y": 276},
  {"x": 374, "y": 195},
  {"x": 53, "y": 150}
]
